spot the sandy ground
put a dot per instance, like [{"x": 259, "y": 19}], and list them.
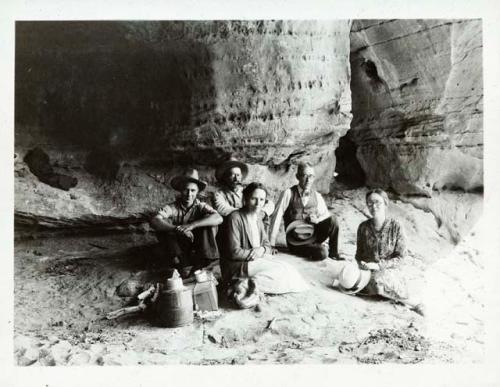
[{"x": 65, "y": 286}]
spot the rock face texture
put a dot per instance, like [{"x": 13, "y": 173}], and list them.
[
  {"x": 417, "y": 103},
  {"x": 267, "y": 92},
  {"x": 121, "y": 106}
]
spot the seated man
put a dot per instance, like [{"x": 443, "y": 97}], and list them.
[
  {"x": 301, "y": 207},
  {"x": 186, "y": 229},
  {"x": 229, "y": 197}
]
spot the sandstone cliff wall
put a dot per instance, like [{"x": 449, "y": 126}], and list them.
[
  {"x": 122, "y": 105},
  {"x": 417, "y": 103}
]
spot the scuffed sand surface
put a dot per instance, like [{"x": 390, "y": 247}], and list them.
[{"x": 64, "y": 287}]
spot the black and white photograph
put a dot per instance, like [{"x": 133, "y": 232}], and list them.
[{"x": 221, "y": 191}]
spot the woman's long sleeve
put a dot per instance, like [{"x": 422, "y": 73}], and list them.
[
  {"x": 360, "y": 244},
  {"x": 400, "y": 242},
  {"x": 265, "y": 240},
  {"x": 234, "y": 233}
]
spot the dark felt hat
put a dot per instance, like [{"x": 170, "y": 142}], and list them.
[
  {"x": 228, "y": 164},
  {"x": 300, "y": 233}
]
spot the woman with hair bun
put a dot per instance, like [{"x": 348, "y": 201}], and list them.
[{"x": 247, "y": 252}]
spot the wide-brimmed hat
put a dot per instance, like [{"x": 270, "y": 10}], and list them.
[
  {"x": 188, "y": 176},
  {"x": 228, "y": 164},
  {"x": 352, "y": 279},
  {"x": 300, "y": 233}
]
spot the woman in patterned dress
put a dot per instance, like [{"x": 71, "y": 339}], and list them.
[{"x": 381, "y": 245}]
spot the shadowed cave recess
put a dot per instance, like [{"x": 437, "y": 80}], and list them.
[{"x": 107, "y": 112}]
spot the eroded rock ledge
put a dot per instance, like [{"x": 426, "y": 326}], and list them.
[
  {"x": 164, "y": 93},
  {"x": 122, "y": 106}
]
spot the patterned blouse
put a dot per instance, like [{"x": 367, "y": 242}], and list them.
[{"x": 387, "y": 244}]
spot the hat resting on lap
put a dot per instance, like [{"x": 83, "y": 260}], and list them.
[{"x": 300, "y": 233}]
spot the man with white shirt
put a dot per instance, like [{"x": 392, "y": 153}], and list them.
[
  {"x": 186, "y": 228},
  {"x": 302, "y": 204}
]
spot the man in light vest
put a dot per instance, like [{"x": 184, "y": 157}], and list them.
[{"x": 311, "y": 231}]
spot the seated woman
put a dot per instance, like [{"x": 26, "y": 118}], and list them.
[
  {"x": 247, "y": 253},
  {"x": 380, "y": 240},
  {"x": 381, "y": 245}
]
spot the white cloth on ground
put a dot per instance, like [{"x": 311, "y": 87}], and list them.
[{"x": 275, "y": 277}]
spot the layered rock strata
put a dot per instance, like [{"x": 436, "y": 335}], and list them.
[
  {"x": 106, "y": 100},
  {"x": 417, "y": 100}
]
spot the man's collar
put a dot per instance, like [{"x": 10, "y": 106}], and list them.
[
  {"x": 183, "y": 207},
  {"x": 301, "y": 191},
  {"x": 238, "y": 190}
]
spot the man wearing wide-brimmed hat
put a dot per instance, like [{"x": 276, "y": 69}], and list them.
[
  {"x": 230, "y": 175},
  {"x": 311, "y": 231},
  {"x": 186, "y": 229}
]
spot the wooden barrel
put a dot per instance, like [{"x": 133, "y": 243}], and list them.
[{"x": 174, "y": 308}]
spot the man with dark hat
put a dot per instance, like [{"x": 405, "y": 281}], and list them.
[
  {"x": 186, "y": 229},
  {"x": 311, "y": 231},
  {"x": 229, "y": 197}
]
